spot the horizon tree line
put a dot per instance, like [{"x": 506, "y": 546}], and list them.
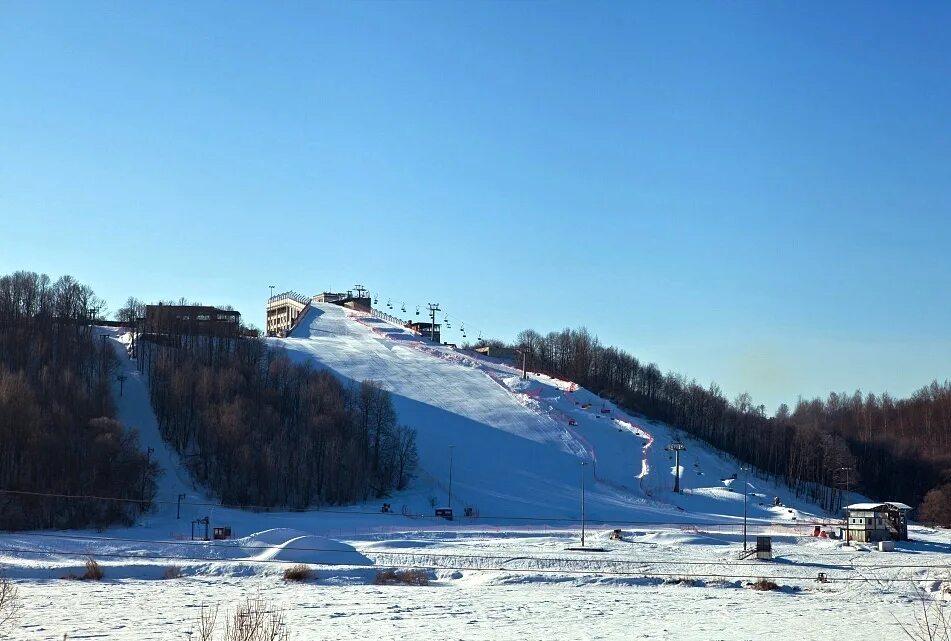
[{"x": 896, "y": 449}]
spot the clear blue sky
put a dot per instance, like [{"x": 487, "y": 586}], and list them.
[{"x": 752, "y": 193}]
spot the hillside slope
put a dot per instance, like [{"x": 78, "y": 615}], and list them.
[{"x": 517, "y": 445}]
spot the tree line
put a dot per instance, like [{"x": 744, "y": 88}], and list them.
[
  {"x": 260, "y": 430},
  {"x": 893, "y": 449},
  {"x": 58, "y": 433}
]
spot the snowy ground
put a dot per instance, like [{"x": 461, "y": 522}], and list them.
[
  {"x": 535, "y": 589},
  {"x": 504, "y": 573}
]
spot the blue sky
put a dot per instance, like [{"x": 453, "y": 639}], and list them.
[{"x": 752, "y": 193}]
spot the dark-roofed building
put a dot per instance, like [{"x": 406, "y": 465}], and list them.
[
  {"x": 427, "y": 330},
  {"x": 202, "y": 320}
]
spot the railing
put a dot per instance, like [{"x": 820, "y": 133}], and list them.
[
  {"x": 300, "y": 298},
  {"x": 389, "y": 319}
]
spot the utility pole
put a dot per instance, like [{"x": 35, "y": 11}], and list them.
[
  {"x": 523, "y": 352},
  {"x": 746, "y": 493},
  {"x": 582, "y": 503},
  {"x": 433, "y": 308},
  {"x": 848, "y": 530},
  {"x": 102, "y": 367},
  {"x": 178, "y": 508},
  {"x": 846, "y": 470},
  {"x": 676, "y": 447},
  {"x": 148, "y": 462},
  {"x": 122, "y": 379},
  {"x": 450, "y": 475}
]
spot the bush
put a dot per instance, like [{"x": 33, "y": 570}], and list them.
[
  {"x": 253, "y": 620},
  {"x": 401, "y": 577},
  {"x": 935, "y": 508},
  {"x": 764, "y": 585},
  {"x": 93, "y": 570},
  {"x": 172, "y": 572},
  {"x": 298, "y": 573},
  {"x": 682, "y": 580}
]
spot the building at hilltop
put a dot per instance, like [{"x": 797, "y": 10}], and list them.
[
  {"x": 426, "y": 330},
  {"x": 200, "y": 320},
  {"x": 505, "y": 353},
  {"x": 284, "y": 311}
]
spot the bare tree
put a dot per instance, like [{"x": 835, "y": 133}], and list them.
[{"x": 9, "y": 605}]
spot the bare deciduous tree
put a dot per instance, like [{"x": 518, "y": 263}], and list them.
[{"x": 9, "y": 605}]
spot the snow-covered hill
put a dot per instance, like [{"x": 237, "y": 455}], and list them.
[{"x": 518, "y": 445}]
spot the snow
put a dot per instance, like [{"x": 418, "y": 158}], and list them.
[
  {"x": 874, "y": 506},
  {"x": 518, "y": 445}
]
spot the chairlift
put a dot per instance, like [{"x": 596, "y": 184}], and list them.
[
  {"x": 417, "y": 310},
  {"x": 389, "y": 303},
  {"x": 404, "y": 308}
]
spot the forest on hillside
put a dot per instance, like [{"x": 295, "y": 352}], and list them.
[
  {"x": 262, "y": 431},
  {"x": 58, "y": 433},
  {"x": 887, "y": 448}
]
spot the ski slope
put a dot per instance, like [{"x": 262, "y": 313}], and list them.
[{"x": 518, "y": 445}]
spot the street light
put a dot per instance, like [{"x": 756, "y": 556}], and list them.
[
  {"x": 450, "y": 475},
  {"x": 846, "y": 470},
  {"x": 582, "y": 503},
  {"x": 746, "y": 493},
  {"x": 848, "y": 531}
]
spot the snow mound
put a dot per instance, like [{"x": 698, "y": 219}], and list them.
[{"x": 274, "y": 545}]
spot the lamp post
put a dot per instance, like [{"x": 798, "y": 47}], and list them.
[
  {"x": 846, "y": 470},
  {"x": 848, "y": 530},
  {"x": 582, "y": 503},
  {"x": 450, "y": 475},
  {"x": 746, "y": 493}
]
